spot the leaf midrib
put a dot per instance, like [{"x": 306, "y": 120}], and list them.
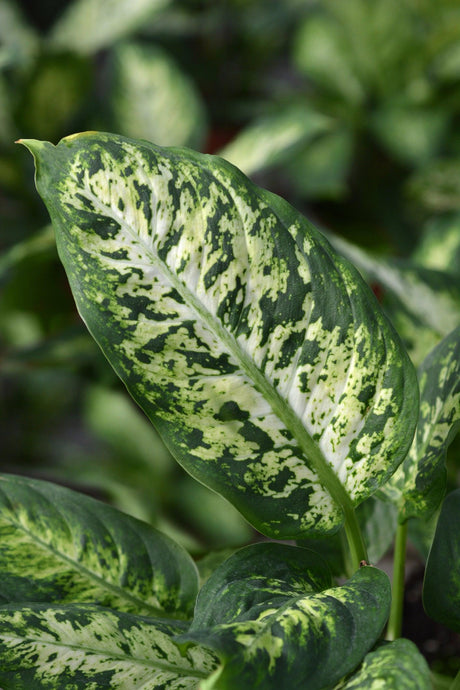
[
  {"x": 310, "y": 449},
  {"x": 92, "y": 576}
]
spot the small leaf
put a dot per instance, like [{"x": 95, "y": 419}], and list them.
[
  {"x": 441, "y": 588},
  {"x": 260, "y": 355},
  {"x": 86, "y": 26},
  {"x": 60, "y": 546},
  {"x": 76, "y": 646},
  {"x": 274, "y": 139},
  {"x": 152, "y": 98},
  {"x": 394, "y": 666},
  {"x": 419, "y": 483},
  {"x": 258, "y": 578},
  {"x": 310, "y": 641}
]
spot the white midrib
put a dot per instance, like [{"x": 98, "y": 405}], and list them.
[{"x": 283, "y": 411}]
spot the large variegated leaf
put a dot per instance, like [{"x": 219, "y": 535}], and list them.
[
  {"x": 441, "y": 588},
  {"x": 394, "y": 666},
  {"x": 419, "y": 483},
  {"x": 302, "y": 639},
  {"x": 89, "y": 25},
  {"x": 258, "y": 352},
  {"x": 82, "y": 646},
  {"x": 60, "y": 546},
  {"x": 151, "y": 98},
  {"x": 423, "y": 304},
  {"x": 273, "y": 139}
]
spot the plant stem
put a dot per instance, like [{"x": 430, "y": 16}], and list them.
[
  {"x": 356, "y": 545},
  {"x": 399, "y": 567}
]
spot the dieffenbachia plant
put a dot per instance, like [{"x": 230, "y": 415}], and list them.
[{"x": 268, "y": 367}]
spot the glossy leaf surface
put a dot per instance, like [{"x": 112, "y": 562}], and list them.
[
  {"x": 441, "y": 588},
  {"x": 258, "y": 578},
  {"x": 76, "y": 646},
  {"x": 311, "y": 640},
  {"x": 259, "y": 353},
  {"x": 419, "y": 483},
  {"x": 60, "y": 546},
  {"x": 394, "y": 666}
]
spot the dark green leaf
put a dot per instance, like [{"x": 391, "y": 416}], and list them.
[
  {"x": 311, "y": 640},
  {"x": 60, "y": 546},
  {"x": 441, "y": 588}
]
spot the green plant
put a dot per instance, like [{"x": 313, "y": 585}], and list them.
[{"x": 275, "y": 378}]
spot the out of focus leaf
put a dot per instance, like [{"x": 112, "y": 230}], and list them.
[
  {"x": 86, "y": 26},
  {"x": 437, "y": 187},
  {"x": 153, "y": 99},
  {"x": 18, "y": 41},
  {"x": 275, "y": 138},
  {"x": 439, "y": 247}
]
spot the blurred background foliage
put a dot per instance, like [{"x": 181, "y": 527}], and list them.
[{"x": 350, "y": 110}]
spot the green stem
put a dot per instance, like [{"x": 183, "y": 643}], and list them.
[
  {"x": 356, "y": 545},
  {"x": 399, "y": 568}
]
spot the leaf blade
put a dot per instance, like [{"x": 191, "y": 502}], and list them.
[
  {"x": 275, "y": 357},
  {"x": 60, "y": 546}
]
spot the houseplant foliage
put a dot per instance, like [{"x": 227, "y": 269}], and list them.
[{"x": 274, "y": 377}]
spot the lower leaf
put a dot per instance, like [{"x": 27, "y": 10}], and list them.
[{"x": 76, "y": 646}]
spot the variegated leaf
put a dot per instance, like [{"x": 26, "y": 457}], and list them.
[
  {"x": 423, "y": 304},
  {"x": 311, "y": 640},
  {"x": 76, "y": 646},
  {"x": 274, "y": 138},
  {"x": 391, "y": 666},
  {"x": 256, "y": 579},
  {"x": 87, "y": 26},
  {"x": 419, "y": 483},
  {"x": 441, "y": 587},
  {"x": 60, "y": 546},
  {"x": 152, "y": 98},
  {"x": 439, "y": 247},
  {"x": 258, "y": 352}
]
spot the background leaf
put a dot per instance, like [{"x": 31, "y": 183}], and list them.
[
  {"x": 419, "y": 483},
  {"x": 152, "y": 98},
  {"x": 441, "y": 588},
  {"x": 60, "y": 546},
  {"x": 70, "y": 647},
  {"x": 258, "y": 352}
]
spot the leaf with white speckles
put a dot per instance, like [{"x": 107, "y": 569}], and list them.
[
  {"x": 258, "y": 352},
  {"x": 394, "y": 665},
  {"x": 287, "y": 634},
  {"x": 441, "y": 587},
  {"x": 76, "y": 646},
  {"x": 60, "y": 546},
  {"x": 419, "y": 483}
]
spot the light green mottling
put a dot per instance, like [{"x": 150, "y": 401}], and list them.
[
  {"x": 258, "y": 352},
  {"x": 312, "y": 640},
  {"x": 88, "y": 646},
  {"x": 59, "y": 546},
  {"x": 391, "y": 666},
  {"x": 419, "y": 483}
]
